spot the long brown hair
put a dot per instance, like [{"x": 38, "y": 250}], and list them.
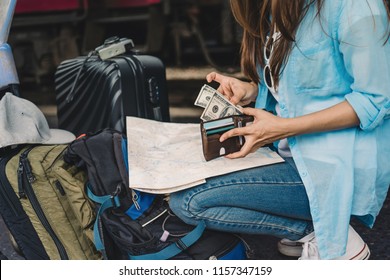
[{"x": 255, "y": 18}]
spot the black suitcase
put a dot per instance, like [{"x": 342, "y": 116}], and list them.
[{"x": 98, "y": 91}]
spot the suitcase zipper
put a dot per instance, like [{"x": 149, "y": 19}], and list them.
[
  {"x": 26, "y": 178},
  {"x": 6, "y": 189}
]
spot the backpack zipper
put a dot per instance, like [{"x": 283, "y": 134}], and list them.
[
  {"x": 25, "y": 179},
  {"x": 227, "y": 250},
  {"x": 155, "y": 218},
  {"x": 134, "y": 198},
  {"x": 222, "y": 252},
  {"x": 6, "y": 191}
]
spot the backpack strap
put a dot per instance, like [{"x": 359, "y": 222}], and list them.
[
  {"x": 109, "y": 201},
  {"x": 141, "y": 202},
  {"x": 106, "y": 202}
]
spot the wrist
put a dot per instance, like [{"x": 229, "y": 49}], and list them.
[
  {"x": 254, "y": 91},
  {"x": 291, "y": 127}
]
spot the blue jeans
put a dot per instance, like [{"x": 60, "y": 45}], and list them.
[{"x": 266, "y": 200}]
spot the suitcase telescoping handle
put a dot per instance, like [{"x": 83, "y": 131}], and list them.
[
  {"x": 111, "y": 47},
  {"x": 114, "y": 46},
  {"x": 72, "y": 92}
]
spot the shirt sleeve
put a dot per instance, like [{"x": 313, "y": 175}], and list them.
[{"x": 363, "y": 41}]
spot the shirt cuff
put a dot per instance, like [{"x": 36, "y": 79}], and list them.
[{"x": 369, "y": 112}]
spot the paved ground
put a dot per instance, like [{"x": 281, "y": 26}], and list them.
[
  {"x": 264, "y": 247},
  {"x": 183, "y": 87},
  {"x": 378, "y": 239}
]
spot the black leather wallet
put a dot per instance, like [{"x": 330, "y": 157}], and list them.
[{"x": 212, "y": 130}]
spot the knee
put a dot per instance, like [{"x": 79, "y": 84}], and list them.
[
  {"x": 182, "y": 205},
  {"x": 178, "y": 205}
]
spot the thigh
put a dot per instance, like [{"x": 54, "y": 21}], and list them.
[{"x": 275, "y": 189}]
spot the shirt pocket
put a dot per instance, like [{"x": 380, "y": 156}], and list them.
[{"x": 314, "y": 70}]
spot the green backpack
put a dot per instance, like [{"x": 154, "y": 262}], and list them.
[{"x": 51, "y": 193}]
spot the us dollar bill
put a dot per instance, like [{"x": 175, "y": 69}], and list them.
[
  {"x": 219, "y": 107},
  {"x": 204, "y": 96}
]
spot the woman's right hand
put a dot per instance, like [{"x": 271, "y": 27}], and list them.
[{"x": 237, "y": 91}]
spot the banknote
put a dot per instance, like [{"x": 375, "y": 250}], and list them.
[
  {"x": 219, "y": 107},
  {"x": 204, "y": 96}
]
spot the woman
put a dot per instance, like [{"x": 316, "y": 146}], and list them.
[{"x": 324, "y": 67}]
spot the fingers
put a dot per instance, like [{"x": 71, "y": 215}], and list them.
[
  {"x": 221, "y": 79},
  {"x": 250, "y": 111},
  {"x": 233, "y": 132},
  {"x": 214, "y": 76},
  {"x": 227, "y": 86},
  {"x": 245, "y": 150},
  {"x": 235, "y": 99},
  {"x": 249, "y": 147},
  {"x": 258, "y": 114},
  {"x": 247, "y": 132}
]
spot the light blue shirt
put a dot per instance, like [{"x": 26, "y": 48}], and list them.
[{"x": 342, "y": 57}]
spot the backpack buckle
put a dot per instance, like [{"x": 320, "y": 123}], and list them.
[{"x": 115, "y": 202}]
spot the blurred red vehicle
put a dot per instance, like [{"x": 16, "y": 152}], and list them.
[
  {"x": 130, "y": 3},
  {"x": 29, "y": 6},
  {"x": 47, "y": 32}
]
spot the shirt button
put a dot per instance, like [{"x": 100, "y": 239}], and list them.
[
  {"x": 303, "y": 173},
  {"x": 291, "y": 142},
  {"x": 282, "y": 106}
]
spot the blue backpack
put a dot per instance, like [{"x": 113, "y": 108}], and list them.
[{"x": 135, "y": 225}]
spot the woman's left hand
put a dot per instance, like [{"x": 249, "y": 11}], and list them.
[
  {"x": 265, "y": 129},
  {"x": 268, "y": 128}
]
